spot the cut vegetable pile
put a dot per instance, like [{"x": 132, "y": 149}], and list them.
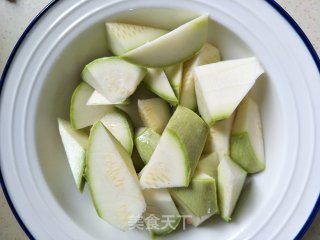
[{"x": 173, "y": 131}]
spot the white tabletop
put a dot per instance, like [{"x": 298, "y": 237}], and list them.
[{"x": 15, "y": 16}]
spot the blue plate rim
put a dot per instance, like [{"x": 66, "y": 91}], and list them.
[
  {"x": 315, "y": 57},
  {"x": 272, "y": 3}
]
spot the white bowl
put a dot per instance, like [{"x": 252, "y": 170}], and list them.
[{"x": 45, "y": 68}]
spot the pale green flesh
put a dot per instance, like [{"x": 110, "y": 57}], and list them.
[
  {"x": 118, "y": 123},
  {"x": 192, "y": 132},
  {"x": 81, "y": 115},
  {"x": 159, "y": 205},
  {"x": 98, "y": 99},
  {"x": 113, "y": 77},
  {"x": 168, "y": 166},
  {"x": 219, "y": 137},
  {"x": 132, "y": 108},
  {"x": 200, "y": 196},
  {"x": 146, "y": 141},
  {"x": 246, "y": 138},
  {"x": 177, "y": 154},
  {"x": 221, "y": 86},
  {"x": 122, "y": 37},
  {"x": 112, "y": 180},
  {"x": 174, "y": 47},
  {"x": 189, "y": 217},
  {"x": 74, "y": 143},
  {"x": 154, "y": 113},
  {"x": 137, "y": 161},
  {"x": 208, "y": 164},
  {"x": 207, "y": 54},
  {"x": 231, "y": 179},
  {"x": 174, "y": 75},
  {"x": 158, "y": 83}
]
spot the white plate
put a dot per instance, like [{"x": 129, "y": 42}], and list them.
[{"x": 44, "y": 69}]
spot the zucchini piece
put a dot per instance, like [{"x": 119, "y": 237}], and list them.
[
  {"x": 112, "y": 180},
  {"x": 246, "y": 139},
  {"x": 200, "y": 197},
  {"x": 74, "y": 143},
  {"x": 176, "y": 156},
  {"x": 113, "y": 77},
  {"x": 207, "y": 54},
  {"x": 174, "y": 47},
  {"x": 81, "y": 115},
  {"x": 154, "y": 113},
  {"x": 97, "y": 98},
  {"x": 220, "y": 87},
  {"x": 174, "y": 75},
  {"x": 122, "y": 37},
  {"x": 146, "y": 141},
  {"x": 158, "y": 83},
  {"x": 219, "y": 137},
  {"x": 160, "y": 204},
  {"x": 119, "y": 124},
  {"x": 231, "y": 178}
]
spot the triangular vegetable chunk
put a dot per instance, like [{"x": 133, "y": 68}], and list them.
[
  {"x": 246, "y": 139},
  {"x": 123, "y": 37},
  {"x": 174, "y": 75},
  {"x": 207, "y": 54},
  {"x": 158, "y": 83},
  {"x": 199, "y": 200},
  {"x": 219, "y": 137},
  {"x": 174, "y": 47},
  {"x": 113, "y": 77},
  {"x": 201, "y": 195},
  {"x": 175, "y": 158},
  {"x": 119, "y": 124},
  {"x": 81, "y": 115},
  {"x": 74, "y": 143},
  {"x": 146, "y": 141},
  {"x": 154, "y": 113},
  {"x": 189, "y": 217},
  {"x": 208, "y": 164},
  {"x": 112, "y": 180},
  {"x": 221, "y": 86},
  {"x": 160, "y": 206},
  {"x": 231, "y": 179}
]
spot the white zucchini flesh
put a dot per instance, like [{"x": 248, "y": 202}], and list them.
[
  {"x": 163, "y": 172},
  {"x": 231, "y": 178},
  {"x": 118, "y": 123},
  {"x": 122, "y": 37},
  {"x": 207, "y": 54},
  {"x": 219, "y": 137},
  {"x": 81, "y": 115},
  {"x": 158, "y": 83},
  {"x": 174, "y": 75},
  {"x": 221, "y": 86},
  {"x": 97, "y": 98},
  {"x": 174, "y": 47},
  {"x": 175, "y": 158},
  {"x": 146, "y": 141},
  {"x": 246, "y": 139},
  {"x": 113, "y": 77},
  {"x": 160, "y": 204},
  {"x": 208, "y": 164},
  {"x": 154, "y": 113},
  {"x": 112, "y": 180},
  {"x": 74, "y": 143}
]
